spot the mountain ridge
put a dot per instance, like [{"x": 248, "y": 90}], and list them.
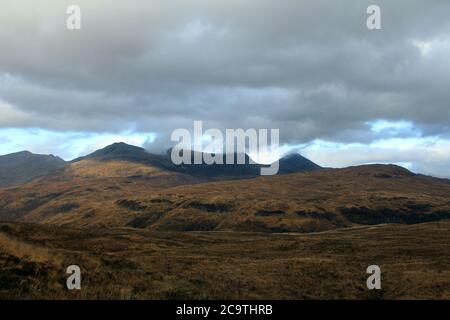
[
  {"x": 302, "y": 202},
  {"x": 122, "y": 151},
  {"x": 23, "y": 166}
]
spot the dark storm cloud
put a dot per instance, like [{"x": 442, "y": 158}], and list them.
[{"x": 310, "y": 67}]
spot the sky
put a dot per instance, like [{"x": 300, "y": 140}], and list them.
[{"x": 340, "y": 94}]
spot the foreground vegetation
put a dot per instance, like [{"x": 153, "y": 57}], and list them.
[{"x": 126, "y": 263}]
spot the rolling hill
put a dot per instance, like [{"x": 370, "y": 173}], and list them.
[
  {"x": 22, "y": 167},
  {"x": 301, "y": 202},
  {"x": 162, "y": 200}
]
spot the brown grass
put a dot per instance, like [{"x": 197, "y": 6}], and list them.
[
  {"x": 302, "y": 202},
  {"x": 139, "y": 264},
  {"x": 299, "y": 236}
]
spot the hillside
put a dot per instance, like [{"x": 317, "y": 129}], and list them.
[
  {"x": 87, "y": 188},
  {"x": 22, "y": 167},
  {"x": 300, "y": 202}
]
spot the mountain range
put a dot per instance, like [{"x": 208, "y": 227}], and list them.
[
  {"x": 122, "y": 185},
  {"x": 22, "y": 167},
  {"x": 143, "y": 228}
]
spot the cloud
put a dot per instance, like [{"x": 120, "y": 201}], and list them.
[
  {"x": 67, "y": 145},
  {"x": 310, "y": 68},
  {"x": 429, "y": 156}
]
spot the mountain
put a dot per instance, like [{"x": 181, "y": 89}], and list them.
[
  {"x": 300, "y": 202},
  {"x": 218, "y": 171},
  {"x": 289, "y": 164},
  {"x": 296, "y": 163},
  {"x": 124, "y": 160},
  {"x": 123, "y": 185},
  {"x": 124, "y": 152},
  {"x": 93, "y": 183},
  {"x": 121, "y": 209},
  {"x": 312, "y": 201},
  {"x": 21, "y": 167}
]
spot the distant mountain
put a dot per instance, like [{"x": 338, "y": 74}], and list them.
[
  {"x": 218, "y": 171},
  {"x": 124, "y": 160},
  {"x": 124, "y": 152},
  {"x": 296, "y": 163},
  {"x": 116, "y": 151},
  {"x": 289, "y": 164},
  {"x": 21, "y": 167},
  {"x": 92, "y": 185}
]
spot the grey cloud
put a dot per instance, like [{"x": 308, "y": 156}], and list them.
[{"x": 310, "y": 67}]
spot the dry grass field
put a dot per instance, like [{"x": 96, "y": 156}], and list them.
[{"x": 126, "y": 263}]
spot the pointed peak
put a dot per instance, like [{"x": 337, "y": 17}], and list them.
[
  {"x": 295, "y": 162},
  {"x": 118, "y": 147},
  {"x": 118, "y": 151},
  {"x": 293, "y": 156},
  {"x": 122, "y": 145}
]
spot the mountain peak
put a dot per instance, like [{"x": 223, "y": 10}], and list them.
[
  {"x": 293, "y": 156},
  {"x": 122, "y": 146},
  {"x": 295, "y": 162},
  {"x": 125, "y": 152},
  {"x": 116, "y": 150}
]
